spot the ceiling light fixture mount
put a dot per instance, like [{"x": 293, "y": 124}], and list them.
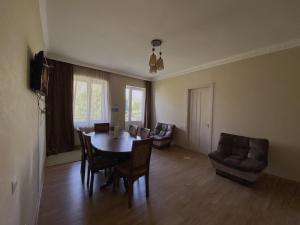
[{"x": 156, "y": 64}]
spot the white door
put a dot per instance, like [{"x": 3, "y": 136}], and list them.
[{"x": 200, "y": 110}]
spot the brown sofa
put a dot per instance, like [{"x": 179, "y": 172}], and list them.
[
  {"x": 240, "y": 158},
  {"x": 162, "y": 135}
]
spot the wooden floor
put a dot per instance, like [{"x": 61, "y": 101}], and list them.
[{"x": 182, "y": 191}]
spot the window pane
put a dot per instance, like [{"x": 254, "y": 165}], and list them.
[
  {"x": 80, "y": 103},
  {"x": 96, "y": 101},
  {"x": 127, "y": 105},
  {"x": 136, "y": 105}
]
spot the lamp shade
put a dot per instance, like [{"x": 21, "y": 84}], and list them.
[
  {"x": 152, "y": 61},
  {"x": 160, "y": 63},
  {"x": 153, "y": 69}
]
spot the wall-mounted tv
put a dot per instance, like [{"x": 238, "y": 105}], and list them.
[{"x": 39, "y": 74}]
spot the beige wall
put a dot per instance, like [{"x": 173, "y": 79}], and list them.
[
  {"x": 22, "y": 127},
  {"x": 117, "y": 85},
  {"x": 257, "y": 97}
]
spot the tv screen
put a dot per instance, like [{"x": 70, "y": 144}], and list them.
[{"x": 39, "y": 74}]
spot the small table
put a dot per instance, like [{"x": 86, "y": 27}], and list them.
[{"x": 118, "y": 148}]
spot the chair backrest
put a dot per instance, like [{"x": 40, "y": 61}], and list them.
[
  {"x": 79, "y": 132},
  {"x": 141, "y": 154},
  {"x": 101, "y": 127},
  {"x": 88, "y": 147},
  {"x": 145, "y": 133},
  {"x": 133, "y": 130},
  {"x": 164, "y": 130}
]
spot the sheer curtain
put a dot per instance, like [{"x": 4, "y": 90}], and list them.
[{"x": 91, "y": 103}]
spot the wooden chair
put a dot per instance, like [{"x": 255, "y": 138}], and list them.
[
  {"x": 95, "y": 162},
  {"x": 133, "y": 130},
  {"x": 145, "y": 133},
  {"x": 135, "y": 167},
  {"x": 83, "y": 154},
  {"x": 101, "y": 127}
]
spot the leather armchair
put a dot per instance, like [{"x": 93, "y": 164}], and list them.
[
  {"x": 240, "y": 158},
  {"x": 162, "y": 135}
]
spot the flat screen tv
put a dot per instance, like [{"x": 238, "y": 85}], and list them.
[{"x": 39, "y": 74}]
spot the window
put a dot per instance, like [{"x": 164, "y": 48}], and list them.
[
  {"x": 90, "y": 104},
  {"x": 135, "y": 105}
]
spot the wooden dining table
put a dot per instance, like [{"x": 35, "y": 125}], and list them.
[{"x": 107, "y": 145}]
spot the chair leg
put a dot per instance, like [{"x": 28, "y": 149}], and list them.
[
  {"x": 130, "y": 192},
  {"x": 115, "y": 180},
  {"x": 147, "y": 185},
  {"x": 88, "y": 178},
  {"x": 91, "y": 184},
  {"x": 82, "y": 168},
  {"x": 125, "y": 183}
]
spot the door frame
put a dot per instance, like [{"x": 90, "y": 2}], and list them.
[{"x": 211, "y": 87}]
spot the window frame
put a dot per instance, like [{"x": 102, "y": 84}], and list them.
[
  {"x": 131, "y": 88},
  {"x": 90, "y": 81}
]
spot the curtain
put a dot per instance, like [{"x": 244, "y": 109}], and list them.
[
  {"x": 91, "y": 103},
  {"x": 147, "y": 116},
  {"x": 59, "y": 116}
]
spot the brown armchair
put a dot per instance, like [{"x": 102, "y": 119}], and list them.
[
  {"x": 240, "y": 158},
  {"x": 162, "y": 135}
]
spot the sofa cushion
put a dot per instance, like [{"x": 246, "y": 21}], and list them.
[
  {"x": 225, "y": 144},
  {"x": 252, "y": 165},
  {"x": 162, "y": 133},
  {"x": 240, "y": 146},
  {"x": 258, "y": 149},
  {"x": 217, "y": 156},
  {"x": 233, "y": 161},
  {"x": 158, "y": 137}
]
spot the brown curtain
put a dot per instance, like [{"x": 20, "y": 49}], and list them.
[
  {"x": 147, "y": 116},
  {"x": 59, "y": 117}
]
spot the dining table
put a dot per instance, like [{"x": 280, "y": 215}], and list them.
[
  {"x": 115, "y": 147},
  {"x": 108, "y": 143}
]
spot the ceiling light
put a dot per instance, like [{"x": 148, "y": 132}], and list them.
[{"x": 156, "y": 64}]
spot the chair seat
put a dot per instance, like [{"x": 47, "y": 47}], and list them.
[
  {"x": 236, "y": 162},
  {"x": 123, "y": 169},
  {"x": 101, "y": 163},
  {"x": 252, "y": 165},
  {"x": 159, "y": 138}
]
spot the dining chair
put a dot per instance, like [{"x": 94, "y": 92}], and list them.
[
  {"x": 144, "y": 133},
  {"x": 133, "y": 130},
  {"x": 101, "y": 127},
  {"x": 136, "y": 166},
  {"x": 95, "y": 162},
  {"x": 83, "y": 154}
]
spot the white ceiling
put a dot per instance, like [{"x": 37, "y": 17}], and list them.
[{"x": 115, "y": 35}]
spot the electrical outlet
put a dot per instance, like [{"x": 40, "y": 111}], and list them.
[{"x": 14, "y": 185}]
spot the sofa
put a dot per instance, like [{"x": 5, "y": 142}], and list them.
[
  {"x": 240, "y": 158},
  {"x": 162, "y": 135}
]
